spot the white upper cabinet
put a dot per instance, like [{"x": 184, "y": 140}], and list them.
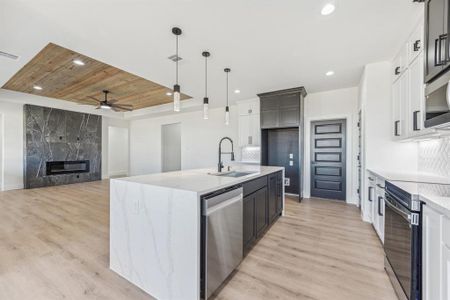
[
  {"x": 408, "y": 88},
  {"x": 249, "y": 123},
  {"x": 415, "y": 43},
  {"x": 416, "y": 109}
]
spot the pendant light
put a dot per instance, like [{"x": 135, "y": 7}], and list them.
[
  {"x": 227, "y": 108},
  {"x": 206, "y": 54},
  {"x": 176, "y": 88}
]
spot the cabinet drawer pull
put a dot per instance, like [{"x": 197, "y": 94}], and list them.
[
  {"x": 380, "y": 213},
  {"x": 416, "y": 120},
  {"x": 397, "y": 71},
  {"x": 417, "y": 45},
  {"x": 396, "y": 131},
  {"x": 370, "y": 194}
]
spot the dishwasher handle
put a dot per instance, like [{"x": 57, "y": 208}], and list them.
[
  {"x": 221, "y": 200},
  {"x": 223, "y": 204}
]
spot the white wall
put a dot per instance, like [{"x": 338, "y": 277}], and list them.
[
  {"x": 12, "y": 143},
  {"x": 332, "y": 105},
  {"x": 381, "y": 152},
  {"x": 117, "y": 151},
  {"x": 199, "y": 140}
]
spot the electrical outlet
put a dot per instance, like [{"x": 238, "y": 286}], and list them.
[{"x": 287, "y": 181}]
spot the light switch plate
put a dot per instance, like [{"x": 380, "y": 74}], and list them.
[
  {"x": 291, "y": 162},
  {"x": 291, "y": 155},
  {"x": 287, "y": 181}
]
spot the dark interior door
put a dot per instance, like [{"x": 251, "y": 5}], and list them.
[
  {"x": 328, "y": 174},
  {"x": 283, "y": 151}
]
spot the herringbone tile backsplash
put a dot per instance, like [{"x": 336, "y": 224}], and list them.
[{"x": 434, "y": 157}]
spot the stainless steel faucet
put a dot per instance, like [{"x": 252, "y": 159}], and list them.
[{"x": 220, "y": 165}]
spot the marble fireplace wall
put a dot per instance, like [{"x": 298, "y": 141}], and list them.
[{"x": 59, "y": 135}]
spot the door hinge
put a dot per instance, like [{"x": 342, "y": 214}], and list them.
[{"x": 414, "y": 218}]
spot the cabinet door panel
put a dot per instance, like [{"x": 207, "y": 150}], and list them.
[
  {"x": 289, "y": 117},
  {"x": 261, "y": 210},
  {"x": 244, "y": 130},
  {"x": 416, "y": 96},
  {"x": 279, "y": 192},
  {"x": 255, "y": 130},
  {"x": 272, "y": 197},
  {"x": 431, "y": 265},
  {"x": 249, "y": 232},
  {"x": 269, "y": 119},
  {"x": 434, "y": 28}
]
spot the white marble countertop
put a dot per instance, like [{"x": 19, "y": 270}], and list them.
[
  {"x": 428, "y": 193},
  {"x": 411, "y": 176},
  {"x": 199, "y": 180}
]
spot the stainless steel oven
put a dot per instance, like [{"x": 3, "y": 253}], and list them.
[{"x": 402, "y": 242}]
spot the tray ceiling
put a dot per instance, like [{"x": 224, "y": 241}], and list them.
[{"x": 54, "y": 70}]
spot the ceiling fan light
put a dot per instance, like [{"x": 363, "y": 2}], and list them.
[{"x": 105, "y": 106}]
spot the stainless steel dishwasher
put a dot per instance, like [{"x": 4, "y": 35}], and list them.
[{"x": 222, "y": 237}]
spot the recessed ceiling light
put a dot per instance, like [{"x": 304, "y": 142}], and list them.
[
  {"x": 237, "y": 91},
  {"x": 37, "y": 87},
  {"x": 329, "y": 73},
  {"x": 169, "y": 94},
  {"x": 328, "y": 9},
  {"x": 78, "y": 62}
]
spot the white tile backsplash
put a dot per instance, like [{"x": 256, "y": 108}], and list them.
[
  {"x": 251, "y": 154},
  {"x": 434, "y": 157}
]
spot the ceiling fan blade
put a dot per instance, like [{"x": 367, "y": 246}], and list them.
[
  {"x": 112, "y": 101},
  {"x": 123, "y": 107},
  {"x": 98, "y": 107},
  {"x": 96, "y": 100}
]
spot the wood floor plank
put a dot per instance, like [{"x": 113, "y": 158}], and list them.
[{"x": 54, "y": 244}]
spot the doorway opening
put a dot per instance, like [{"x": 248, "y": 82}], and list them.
[
  {"x": 171, "y": 147},
  {"x": 328, "y": 159},
  {"x": 117, "y": 151},
  {"x": 280, "y": 147}
]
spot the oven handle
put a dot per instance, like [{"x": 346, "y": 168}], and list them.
[{"x": 405, "y": 215}]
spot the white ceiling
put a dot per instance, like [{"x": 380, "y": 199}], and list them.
[{"x": 268, "y": 44}]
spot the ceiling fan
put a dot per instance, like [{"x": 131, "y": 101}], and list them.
[{"x": 111, "y": 104}]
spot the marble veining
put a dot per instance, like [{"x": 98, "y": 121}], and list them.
[{"x": 58, "y": 135}]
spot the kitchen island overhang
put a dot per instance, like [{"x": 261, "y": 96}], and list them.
[{"x": 155, "y": 228}]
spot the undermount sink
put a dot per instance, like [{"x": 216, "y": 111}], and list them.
[{"x": 232, "y": 174}]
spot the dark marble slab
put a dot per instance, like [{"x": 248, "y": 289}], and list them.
[{"x": 59, "y": 135}]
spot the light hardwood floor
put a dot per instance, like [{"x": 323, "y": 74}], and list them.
[{"x": 54, "y": 244}]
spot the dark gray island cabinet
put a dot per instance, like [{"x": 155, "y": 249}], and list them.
[{"x": 262, "y": 205}]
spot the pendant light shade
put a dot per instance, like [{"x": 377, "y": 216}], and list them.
[
  {"x": 206, "y": 54},
  {"x": 176, "y": 88},
  {"x": 227, "y": 108}
]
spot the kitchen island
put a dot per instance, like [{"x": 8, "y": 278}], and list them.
[{"x": 155, "y": 225}]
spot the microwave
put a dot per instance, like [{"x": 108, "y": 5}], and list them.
[{"x": 437, "y": 102}]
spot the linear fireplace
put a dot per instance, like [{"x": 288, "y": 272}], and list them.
[{"x": 67, "y": 167}]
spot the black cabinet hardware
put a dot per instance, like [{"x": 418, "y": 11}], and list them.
[
  {"x": 380, "y": 213},
  {"x": 396, "y": 123},
  {"x": 380, "y": 186},
  {"x": 416, "y": 45},
  {"x": 397, "y": 70},
  {"x": 416, "y": 121},
  {"x": 371, "y": 179},
  {"x": 370, "y": 194}
]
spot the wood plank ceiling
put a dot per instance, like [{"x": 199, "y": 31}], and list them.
[{"x": 53, "y": 69}]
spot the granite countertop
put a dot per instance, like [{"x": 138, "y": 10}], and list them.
[
  {"x": 419, "y": 177},
  {"x": 200, "y": 180},
  {"x": 434, "y": 195}
]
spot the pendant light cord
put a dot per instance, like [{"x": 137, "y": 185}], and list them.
[
  {"x": 176, "y": 60},
  {"x": 206, "y": 77},
  {"x": 227, "y": 88}
]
